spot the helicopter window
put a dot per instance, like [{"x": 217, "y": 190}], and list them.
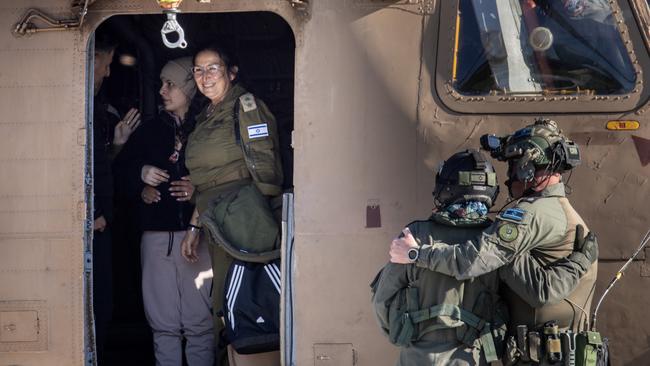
[{"x": 540, "y": 47}]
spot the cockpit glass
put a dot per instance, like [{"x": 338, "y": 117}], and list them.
[{"x": 540, "y": 47}]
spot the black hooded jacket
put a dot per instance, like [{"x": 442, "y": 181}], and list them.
[{"x": 154, "y": 143}]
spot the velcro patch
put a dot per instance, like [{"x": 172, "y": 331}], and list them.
[
  {"x": 248, "y": 102},
  {"x": 513, "y": 214},
  {"x": 508, "y": 232},
  {"x": 257, "y": 131}
]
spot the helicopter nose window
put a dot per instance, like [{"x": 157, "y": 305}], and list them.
[{"x": 540, "y": 47}]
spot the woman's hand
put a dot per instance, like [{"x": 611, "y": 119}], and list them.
[
  {"x": 153, "y": 176},
  {"x": 189, "y": 246},
  {"x": 182, "y": 189},
  {"x": 150, "y": 195}
]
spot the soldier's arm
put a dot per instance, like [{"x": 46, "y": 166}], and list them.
[
  {"x": 538, "y": 284},
  {"x": 467, "y": 260},
  {"x": 497, "y": 246}
]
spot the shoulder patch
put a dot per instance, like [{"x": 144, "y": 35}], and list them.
[
  {"x": 248, "y": 102},
  {"x": 508, "y": 232},
  {"x": 258, "y": 130}
]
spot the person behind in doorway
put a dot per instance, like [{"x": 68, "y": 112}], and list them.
[
  {"x": 215, "y": 157},
  {"x": 542, "y": 222},
  {"x": 454, "y": 322},
  {"x": 176, "y": 293},
  {"x": 109, "y": 135}
]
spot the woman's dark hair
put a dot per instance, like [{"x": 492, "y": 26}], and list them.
[{"x": 225, "y": 54}]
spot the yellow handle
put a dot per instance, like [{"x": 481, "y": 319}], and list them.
[{"x": 169, "y": 4}]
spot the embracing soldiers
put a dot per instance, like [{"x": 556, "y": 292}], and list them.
[{"x": 439, "y": 298}]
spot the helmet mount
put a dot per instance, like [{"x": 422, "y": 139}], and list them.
[{"x": 539, "y": 146}]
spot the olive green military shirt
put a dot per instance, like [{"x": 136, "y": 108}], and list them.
[
  {"x": 214, "y": 158},
  {"x": 507, "y": 244}
]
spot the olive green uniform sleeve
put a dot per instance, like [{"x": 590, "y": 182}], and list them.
[
  {"x": 467, "y": 260},
  {"x": 494, "y": 248},
  {"x": 538, "y": 284},
  {"x": 259, "y": 134}
]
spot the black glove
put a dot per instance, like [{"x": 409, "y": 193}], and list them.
[{"x": 587, "y": 245}]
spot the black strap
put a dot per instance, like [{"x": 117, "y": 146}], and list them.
[
  {"x": 236, "y": 120},
  {"x": 479, "y": 160}
]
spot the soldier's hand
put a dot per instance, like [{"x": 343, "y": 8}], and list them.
[
  {"x": 587, "y": 245},
  {"x": 182, "y": 189},
  {"x": 189, "y": 246},
  {"x": 399, "y": 247},
  {"x": 126, "y": 126},
  {"x": 100, "y": 224}
]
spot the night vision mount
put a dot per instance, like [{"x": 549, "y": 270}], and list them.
[{"x": 542, "y": 143}]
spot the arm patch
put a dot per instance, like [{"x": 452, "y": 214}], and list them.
[
  {"x": 515, "y": 215},
  {"x": 508, "y": 232}
]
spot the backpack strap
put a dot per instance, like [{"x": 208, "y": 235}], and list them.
[
  {"x": 268, "y": 189},
  {"x": 457, "y": 313},
  {"x": 236, "y": 121}
]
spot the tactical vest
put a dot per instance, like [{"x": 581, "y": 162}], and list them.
[
  {"x": 414, "y": 304},
  {"x": 573, "y": 312}
]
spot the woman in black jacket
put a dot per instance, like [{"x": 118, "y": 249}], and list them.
[{"x": 176, "y": 293}]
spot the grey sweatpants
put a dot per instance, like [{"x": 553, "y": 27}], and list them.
[{"x": 176, "y": 296}]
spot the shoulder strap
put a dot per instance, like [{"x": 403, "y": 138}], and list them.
[
  {"x": 236, "y": 121},
  {"x": 458, "y": 313}
]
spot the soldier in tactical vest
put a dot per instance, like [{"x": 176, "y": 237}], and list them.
[
  {"x": 542, "y": 223},
  {"x": 437, "y": 319}
]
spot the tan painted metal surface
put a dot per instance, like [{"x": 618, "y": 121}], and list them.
[
  {"x": 42, "y": 87},
  {"x": 369, "y": 129}
]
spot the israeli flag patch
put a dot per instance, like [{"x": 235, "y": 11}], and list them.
[
  {"x": 257, "y": 131},
  {"x": 514, "y": 214}
]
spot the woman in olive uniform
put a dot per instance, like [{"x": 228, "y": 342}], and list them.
[{"x": 215, "y": 156}]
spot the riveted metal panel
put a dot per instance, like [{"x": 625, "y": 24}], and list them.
[
  {"x": 23, "y": 326},
  {"x": 42, "y": 89}
]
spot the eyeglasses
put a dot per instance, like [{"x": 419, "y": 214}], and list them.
[{"x": 210, "y": 70}]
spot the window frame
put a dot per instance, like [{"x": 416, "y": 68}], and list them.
[{"x": 504, "y": 104}]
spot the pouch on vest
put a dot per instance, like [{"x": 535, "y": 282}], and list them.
[
  {"x": 252, "y": 307},
  {"x": 389, "y": 299},
  {"x": 588, "y": 346},
  {"x": 487, "y": 306},
  {"x": 241, "y": 222}
]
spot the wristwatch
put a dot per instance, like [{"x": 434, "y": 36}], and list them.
[{"x": 413, "y": 254}]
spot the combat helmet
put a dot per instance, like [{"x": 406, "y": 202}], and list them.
[
  {"x": 540, "y": 145},
  {"x": 466, "y": 176}
]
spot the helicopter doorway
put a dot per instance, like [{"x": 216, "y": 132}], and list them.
[{"x": 265, "y": 48}]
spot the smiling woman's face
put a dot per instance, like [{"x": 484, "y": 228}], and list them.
[{"x": 213, "y": 82}]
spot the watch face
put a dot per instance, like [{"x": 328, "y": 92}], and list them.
[{"x": 413, "y": 254}]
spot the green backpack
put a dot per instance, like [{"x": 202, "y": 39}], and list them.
[{"x": 242, "y": 223}]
